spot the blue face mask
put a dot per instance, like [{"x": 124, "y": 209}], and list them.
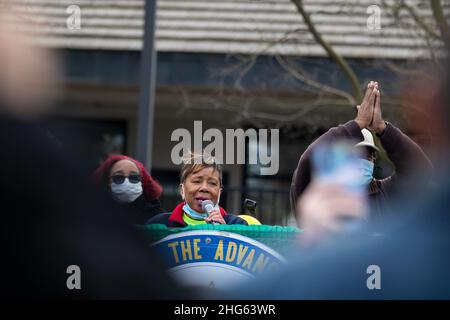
[
  {"x": 366, "y": 168},
  {"x": 194, "y": 214}
]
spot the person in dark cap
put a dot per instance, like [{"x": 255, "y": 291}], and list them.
[
  {"x": 405, "y": 154},
  {"x": 131, "y": 186},
  {"x": 410, "y": 260}
]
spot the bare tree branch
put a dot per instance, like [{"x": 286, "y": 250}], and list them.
[
  {"x": 413, "y": 72},
  {"x": 420, "y": 22},
  {"x": 442, "y": 24},
  {"x": 299, "y": 75},
  {"x": 340, "y": 61},
  {"x": 244, "y": 111},
  {"x": 246, "y": 106}
]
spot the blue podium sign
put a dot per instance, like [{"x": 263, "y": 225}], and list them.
[{"x": 218, "y": 259}]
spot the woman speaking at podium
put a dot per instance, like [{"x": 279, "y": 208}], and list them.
[{"x": 200, "y": 183}]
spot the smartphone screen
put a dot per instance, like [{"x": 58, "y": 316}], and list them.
[{"x": 338, "y": 163}]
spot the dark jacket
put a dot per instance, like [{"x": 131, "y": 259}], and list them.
[
  {"x": 53, "y": 218},
  {"x": 175, "y": 218},
  {"x": 403, "y": 152},
  {"x": 141, "y": 210}
]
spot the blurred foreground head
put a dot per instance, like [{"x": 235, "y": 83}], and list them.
[
  {"x": 29, "y": 73},
  {"x": 429, "y": 113}
]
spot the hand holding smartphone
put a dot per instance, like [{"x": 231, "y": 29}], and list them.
[{"x": 337, "y": 164}]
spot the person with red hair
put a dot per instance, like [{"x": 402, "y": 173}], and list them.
[{"x": 131, "y": 186}]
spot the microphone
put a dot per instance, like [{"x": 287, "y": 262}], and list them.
[{"x": 208, "y": 207}]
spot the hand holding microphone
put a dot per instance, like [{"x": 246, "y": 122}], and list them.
[{"x": 214, "y": 215}]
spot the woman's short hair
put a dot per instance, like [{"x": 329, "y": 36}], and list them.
[{"x": 194, "y": 162}]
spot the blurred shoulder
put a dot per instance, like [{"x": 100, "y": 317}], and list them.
[{"x": 234, "y": 219}]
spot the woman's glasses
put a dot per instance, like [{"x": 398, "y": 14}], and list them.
[{"x": 119, "y": 178}]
